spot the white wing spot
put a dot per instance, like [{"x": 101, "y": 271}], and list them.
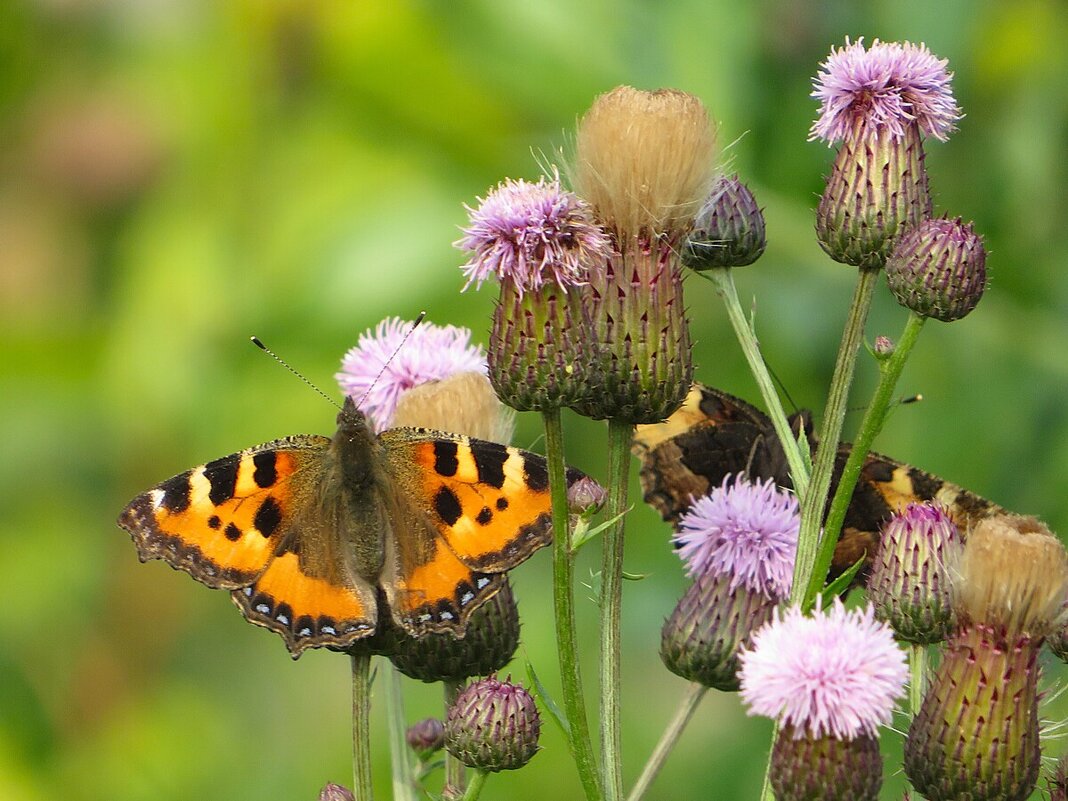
[
  {"x": 247, "y": 591},
  {"x": 328, "y": 630},
  {"x": 423, "y": 618},
  {"x": 482, "y": 582},
  {"x": 466, "y": 598},
  {"x": 446, "y": 616},
  {"x": 304, "y": 632},
  {"x": 283, "y": 620},
  {"x": 157, "y": 498},
  {"x": 263, "y": 609}
]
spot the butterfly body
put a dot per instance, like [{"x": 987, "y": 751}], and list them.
[
  {"x": 715, "y": 434},
  {"x": 318, "y": 537}
]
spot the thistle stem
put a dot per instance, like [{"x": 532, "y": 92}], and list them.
[
  {"x": 404, "y": 782},
  {"x": 918, "y": 676},
  {"x": 564, "y": 607},
  {"x": 455, "y": 774},
  {"x": 361, "y": 725},
  {"x": 668, "y": 740},
  {"x": 814, "y": 501},
  {"x": 722, "y": 279},
  {"x": 874, "y": 418},
  {"x": 475, "y": 787},
  {"x": 619, "y": 438}
]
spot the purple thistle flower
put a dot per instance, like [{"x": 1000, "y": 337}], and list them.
[
  {"x": 431, "y": 353},
  {"x": 745, "y": 530},
  {"x": 891, "y": 84},
  {"x": 836, "y": 673},
  {"x": 533, "y": 233}
]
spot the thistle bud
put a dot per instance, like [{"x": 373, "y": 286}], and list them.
[
  {"x": 938, "y": 269},
  {"x": 976, "y": 735},
  {"x": 909, "y": 584},
  {"x": 729, "y": 229},
  {"x": 878, "y": 103},
  {"x": 739, "y": 543},
  {"x": 542, "y": 243},
  {"x": 426, "y": 738},
  {"x": 586, "y": 497},
  {"x": 643, "y": 161},
  {"x": 830, "y": 680},
  {"x": 883, "y": 347},
  {"x": 1058, "y": 782},
  {"x": 335, "y": 792},
  {"x": 488, "y": 644},
  {"x": 493, "y": 726}
]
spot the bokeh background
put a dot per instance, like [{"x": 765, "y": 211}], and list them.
[{"x": 176, "y": 175}]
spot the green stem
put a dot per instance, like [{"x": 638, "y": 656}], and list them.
[
  {"x": 814, "y": 501},
  {"x": 870, "y": 426},
  {"x": 668, "y": 739},
  {"x": 722, "y": 279},
  {"x": 564, "y": 607},
  {"x": 475, "y": 787},
  {"x": 918, "y": 672},
  {"x": 361, "y": 725},
  {"x": 404, "y": 782},
  {"x": 619, "y": 438},
  {"x": 455, "y": 774}
]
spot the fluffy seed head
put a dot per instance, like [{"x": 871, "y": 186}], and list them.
[
  {"x": 744, "y": 530},
  {"x": 891, "y": 85},
  {"x": 532, "y": 233},
  {"x": 463, "y": 403},
  {"x": 431, "y": 353},
  {"x": 836, "y": 673},
  {"x": 1013, "y": 576},
  {"x": 644, "y": 159}
]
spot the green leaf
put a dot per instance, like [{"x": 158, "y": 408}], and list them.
[
  {"x": 547, "y": 703},
  {"x": 841, "y": 584},
  {"x": 581, "y": 535}
]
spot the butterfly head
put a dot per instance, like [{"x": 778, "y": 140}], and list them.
[{"x": 352, "y": 424}]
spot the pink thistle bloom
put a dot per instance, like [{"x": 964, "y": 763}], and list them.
[
  {"x": 890, "y": 84},
  {"x": 745, "y": 530},
  {"x": 532, "y": 233},
  {"x": 836, "y": 673},
  {"x": 431, "y": 353}
]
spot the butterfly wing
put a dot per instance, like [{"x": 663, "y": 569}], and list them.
[
  {"x": 253, "y": 522},
  {"x": 467, "y": 510}
]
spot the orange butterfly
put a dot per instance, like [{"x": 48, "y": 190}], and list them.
[{"x": 313, "y": 535}]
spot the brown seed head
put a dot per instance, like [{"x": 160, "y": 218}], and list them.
[
  {"x": 463, "y": 403},
  {"x": 644, "y": 159},
  {"x": 1013, "y": 574}
]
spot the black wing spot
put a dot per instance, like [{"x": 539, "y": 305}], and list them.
[
  {"x": 232, "y": 532},
  {"x": 535, "y": 473},
  {"x": 489, "y": 459},
  {"x": 265, "y": 475},
  {"x": 176, "y": 493},
  {"x": 502, "y": 504},
  {"x": 445, "y": 461},
  {"x": 222, "y": 475},
  {"x": 447, "y": 505},
  {"x": 485, "y": 516},
  {"x": 268, "y": 516},
  {"x": 214, "y": 522}
]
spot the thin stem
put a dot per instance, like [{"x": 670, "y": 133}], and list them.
[
  {"x": 918, "y": 672},
  {"x": 361, "y": 725},
  {"x": 668, "y": 739},
  {"x": 814, "y": 501},
  {"x": 564, "y": 607},
  {"x": 870, "y": 426},
  {"x": 455, "y": 774},
  {"x": 722, "y": 279},
  {"x": 619, "y": 437},
  {"x": 766, "y": 793},
  {"x": 475, "y": 787},
  {"x": 404, "y": 781}
]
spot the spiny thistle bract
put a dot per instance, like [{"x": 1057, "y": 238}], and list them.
[{"x": 729, "y": 229}]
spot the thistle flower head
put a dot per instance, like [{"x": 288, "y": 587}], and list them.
[
  {"x": 836, "y": 673},
  {"x": 431, "y": 353},
  {"x": 532, "y": 233},
  {"x": 493, "y": 725},
  {"x": 1013, "y": 577},
  {"x": 890, "y": 85},
  {"x": 745, "y": 530}
]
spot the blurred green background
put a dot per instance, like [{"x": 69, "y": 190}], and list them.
[{"x": 176, "y": 175}]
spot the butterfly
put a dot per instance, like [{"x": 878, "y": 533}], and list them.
[
  {"x": 318, "y": 537},
  {"x": 714, "y": 435}
]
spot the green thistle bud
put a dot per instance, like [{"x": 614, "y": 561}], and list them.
[
  {"x": 909, "y": 584},
  {"x": 976, "y": 736},
  {"x": 883, "y": 348},
  {"x": 586, "y": 497},
  {"x": 729, "y": 229},
  {"x": 426, "y": 737},
  {"x": 701, "y": 640},
  {"x": 489, "y": 643},
  {"x": 876, "y": 191},
  {"x": 827, "y": 768},
  {"x": 938, "y": 269},
  {"x": 643, "y": 161},
  {"x": 493, "y": 726}
]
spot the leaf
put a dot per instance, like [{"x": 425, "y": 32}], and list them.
[
  {"x": 841, "y": 584},
  {"x": 581, "y": 535},
  {"x": 548, "y": 703}
]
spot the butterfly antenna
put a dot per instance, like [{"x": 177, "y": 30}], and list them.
[
  {"x": 256, "y": 341},
  {"x": 782, "y": 388},
  {"x": 392, "y": 356}
]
